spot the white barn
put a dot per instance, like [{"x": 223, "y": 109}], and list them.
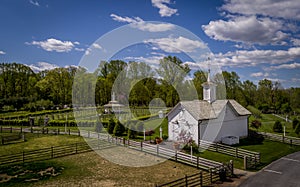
[{"x": 208, "y": 119}]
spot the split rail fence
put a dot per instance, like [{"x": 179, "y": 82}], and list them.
[
  {"x": 281, "y": 138},
  {"x": 232, "y": 151}
]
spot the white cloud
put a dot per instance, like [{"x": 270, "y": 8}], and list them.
[
  {"x": 244, "y": 58},
  {"x": 258, "y": 74},
  {"x": 140, "y": 24},
  {"x": 52, "y": 44},
  {"x": 154, "y": 60},
  {"x": 176, "y": 45},
  {"x": 35, "y": 3},
  {"x": 288, "y": 9},
  {"x": 94, "y": 46},
  {"x": 41, "y": 66},
  {"x": 97, "y": 46},
  {"x": 79, "y": 49},
  {"x": 295, "y": 41},
  {"x": 294, "y": 65},
  {"x": 2, "y": 52},
  {"x": 164, "y": 10},
  {"x": 247, "y": 29}
]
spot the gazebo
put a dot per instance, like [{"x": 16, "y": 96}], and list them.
[{"x": 113, "y": 106}]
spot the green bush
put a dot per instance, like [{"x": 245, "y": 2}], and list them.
[
  {"x": 111, "y": 126},
  {"x": 255, "y": 124},
  {"x": 277, "y": 127},
  {"x": 295, "y": 123},
  {"x": 119, "y": 129}
]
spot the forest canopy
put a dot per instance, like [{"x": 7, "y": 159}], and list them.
[{"x": 23, "y": 89}]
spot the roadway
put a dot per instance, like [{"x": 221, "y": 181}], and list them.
[{"x": 284, "y": 172}]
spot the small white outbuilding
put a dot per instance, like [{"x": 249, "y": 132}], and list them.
[{"x": 208, "y": 119}]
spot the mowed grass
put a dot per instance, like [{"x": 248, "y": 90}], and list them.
[
  {"x": 38, "y": 141},
  {"x": 268, "y": 120},
  {"x": 89, "y": 169},
  {"x": 271, "y": 150}
]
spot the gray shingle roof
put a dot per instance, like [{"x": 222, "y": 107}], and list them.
[{"x": 202, "y": 110}]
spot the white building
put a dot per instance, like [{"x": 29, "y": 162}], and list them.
[{"x": 208, "y": 119}]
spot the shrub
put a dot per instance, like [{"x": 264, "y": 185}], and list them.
[
  {"x": 131, "y": 133},
  {"x": 119, "y": 129},
  {"x": 256, "y": 124},
  {"x": 192, "y": 143},
  {"x": 165, "y": 137},
  {"x": 295, "y": 123},
  {"x": 149, "y": 133},
  {"x": 253, "y": 138},
  {"x": 111, "y": 126},
  {"x": 297, "y": 130},
  {"x": 277, "y": 127}
]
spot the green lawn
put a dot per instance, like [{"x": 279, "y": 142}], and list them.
[
  {"x": 269, "y": 150},
  {"x": 38, "y": 141},
  {"x": 268, "y": 120}
]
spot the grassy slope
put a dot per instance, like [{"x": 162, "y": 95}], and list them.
[{"x": 38, "y": 141}]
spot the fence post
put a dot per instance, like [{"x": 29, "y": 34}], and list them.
[
  {"x": 157, "y": 149},
  {"x": 245, "y": 162},
  {"x": 217, "y": 147},
  {"x": 47, "y": 130},
  {"x": 210, "y": 175},
  {"x": 76, "y": 148},
  {"x": 236, "y": 152},
  {"x": 78, "y": 132},
  {"x": 31, "y": 129},
  {"x": 141, "y": 146},
  {"x": 107, "y": 137},
  {"x": 57, "y": 131},
  {"x": 231, "y": 167},
  {"x": 186, "y": 180},
  {"x": 124, "y": 142},
  {"x": 128, "y": 142},
  {"x": 52, "y": 154},
  {"x": 201, "y": 178},
  {"x": 69, "y": 132},
  {"x": 10, "y": 129},
  {"x": 21, "y": 130},
  {"x": 291, "y": 142},
  {"x": 23, "y": 156},
  {"x": 176, "y": 155},
  {"x": 283, "y": 138},
  {"x": 197, "y": 162}
]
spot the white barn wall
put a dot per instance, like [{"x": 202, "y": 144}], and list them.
[
  {"x": 182, "y": 117},
  {"x": 232, "y": 125}
]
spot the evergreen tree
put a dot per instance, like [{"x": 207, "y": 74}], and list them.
[{"x": 277, "y": 127}]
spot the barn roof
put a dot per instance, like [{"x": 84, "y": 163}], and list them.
[{"x": 202, "y": 110}]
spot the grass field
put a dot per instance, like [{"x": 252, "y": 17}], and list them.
[
  {"x": 38, "y": 141},
  {"x": 268, "y": 120},
  {"x": 86, "y": 169}
]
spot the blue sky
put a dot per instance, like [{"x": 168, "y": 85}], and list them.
[{"x": 257, "y": 39}]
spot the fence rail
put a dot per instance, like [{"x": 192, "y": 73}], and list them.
[
  {"x": 229, "y": 150},
  {"x": 281, "y": 138},
  {"x": 197, "y": 179}
]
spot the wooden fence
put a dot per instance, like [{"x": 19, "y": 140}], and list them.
[
  {"x": 38, "y": 130},
  {"x": 197, "y": 179},
  {"x": 229, "y": 150},
  {"x": 281, "y": 138}
]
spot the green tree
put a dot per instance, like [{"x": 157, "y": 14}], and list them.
[
  {"x": 111, "y": 126},
  {"x": 277, "y": 127},
  {"x": 297, "y": 130},
  {"x": 256, "y": 124},
  {"x": 119, "y": 129},
  {"x": 295, "y": 123}
]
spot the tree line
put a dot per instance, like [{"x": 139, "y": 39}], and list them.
[{"x": 23, "y": 89}]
